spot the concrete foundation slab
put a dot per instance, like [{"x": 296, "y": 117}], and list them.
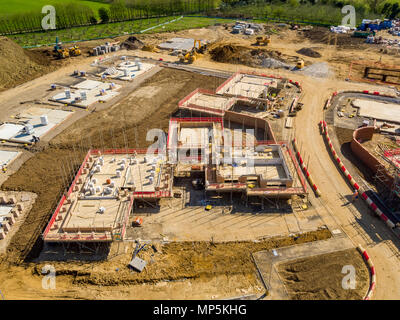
[
  {"x": 127, "y": 70},
  {"x": 90, "y": 96},
  {"x": 6, "y": 157},
  {"x": 32, "y": 116},
  {"x": 179, "y": 44},
  {"x": 5, "y": 210},
  {"x": 9, "y": 130},
  {"x": 377, "y": 110},
  {"x": 87, "y": 85}
]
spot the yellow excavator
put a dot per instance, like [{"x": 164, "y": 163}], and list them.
[
  {"x": 194, "y": 54},
  {"x": 75, "y": 51},
  {"x": 188, "y": 57},
  {"x": 62, "y": 53},
  {"x": 263, "y": 41}
]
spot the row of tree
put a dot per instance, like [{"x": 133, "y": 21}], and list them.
[
  {"x": 387, "y": 8},
  {"x": 67, "y": 16},
  {"x": 75, "y": 14}
]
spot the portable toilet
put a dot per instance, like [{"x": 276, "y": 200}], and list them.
[{"x": 67, "y": 94}]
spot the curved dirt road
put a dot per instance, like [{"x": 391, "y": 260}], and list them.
[{"x": 357, "y": 221}]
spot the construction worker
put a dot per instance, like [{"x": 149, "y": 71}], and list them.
[{"x": 354, "y": 196}]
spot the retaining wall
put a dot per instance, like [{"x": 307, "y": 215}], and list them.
[{"x": 363, "y": 134}]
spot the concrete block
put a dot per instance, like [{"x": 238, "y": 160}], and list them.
[
  {"x": 59, "y": 217},
  {"x": 6, "y": 226},
  {"x": 54, "y": 226},
  {"x": 20, "y": 207},
  {"x": 11, "y": 220},
  {"x": 2, "y": 234},
  {"x": 12, "y": 200},
  {"x": 137, "y": 264},
  {"x": 15, "y": 213},
  {"x": 3, "y": 199}
]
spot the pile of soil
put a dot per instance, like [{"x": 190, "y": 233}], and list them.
[
  {"x": 230, "y": 54},
  {"x": 18, "y": 65},
  {"x": 236, "y": 54},
  {"x": 321, "y": 35},
  {"x": 309, "y": 52},
  {"x": 132, "y": 43},
  {"x": 179, "y": 261},
  {"x": 320, "y": 277}
]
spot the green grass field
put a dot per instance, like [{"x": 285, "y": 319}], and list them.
[
  {"x": 113, "y": 30},
  {"x": 24, "y": 6}
]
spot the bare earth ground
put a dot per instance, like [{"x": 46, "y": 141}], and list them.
[
  {"x": 135, "y": 115},
  {"x": 131, "y": 118},
  {"x": 179, "y": 270},
  {"x": 320, "y": 277}
]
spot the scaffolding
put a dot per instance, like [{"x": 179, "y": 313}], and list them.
[{"x": 387, "y": 177}]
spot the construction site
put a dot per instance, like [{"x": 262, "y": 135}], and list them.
[{"x": 202, "y": 164}]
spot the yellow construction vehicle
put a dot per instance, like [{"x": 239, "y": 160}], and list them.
[
  {"x": 75, "y": 51},
  {"x": 300, "y": 64},
  {"x": 150, "y": 48},
  {"x": 62, "y": 53},
  {"x": 188, "y": 57},
  {"x": 263, "y": 41}
]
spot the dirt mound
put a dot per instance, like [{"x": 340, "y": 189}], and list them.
[
  {"x": 320, "y": 277},
  {"x": 309, "y": 52},
  {"x": 322, "y": 35},
  {"x": 18, "y": 65},
  {"x": 236, "y": 54},
  {"x": 229, "y": 53},
  {"x": 132, "y": 43}
]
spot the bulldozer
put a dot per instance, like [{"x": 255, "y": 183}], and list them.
[
  {"x": 263, "y": 41},
  {"x": 62, "y": 53},
  {"x": 74, "y": 51}
]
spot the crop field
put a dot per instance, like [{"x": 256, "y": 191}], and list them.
[
  {"x": 24, "y": 6},
  {"x": 114, "y": 29}
]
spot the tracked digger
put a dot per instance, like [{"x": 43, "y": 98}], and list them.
[
  {"x": 74, "y": 51},
  {"x": 194, "y": 54}
]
